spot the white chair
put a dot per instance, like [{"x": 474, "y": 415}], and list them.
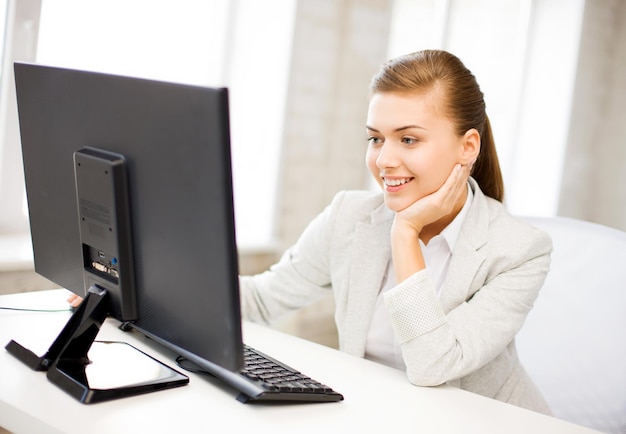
[{"x": 573, "y": 343}]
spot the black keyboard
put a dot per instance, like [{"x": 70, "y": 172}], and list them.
[{"x": 264, "y": 378}]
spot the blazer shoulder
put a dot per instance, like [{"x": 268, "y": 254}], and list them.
[
  {"x": 360, "y": 204},
  {"x": 512, "y": 231},
  {"x": 359, "y": 198}
]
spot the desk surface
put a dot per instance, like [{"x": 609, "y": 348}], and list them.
[{"x": 29, "y": 403}]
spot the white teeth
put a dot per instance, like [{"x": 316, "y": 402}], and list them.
[{"x": 396, "y": 182}]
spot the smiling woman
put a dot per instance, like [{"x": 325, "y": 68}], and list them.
[{"x": 431, "y": 274}]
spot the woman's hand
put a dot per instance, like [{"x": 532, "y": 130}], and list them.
[
  {"x": 408, "y": 224},
  {"x": 74, "y": 300},
  {"x": 436, "y": 205}
]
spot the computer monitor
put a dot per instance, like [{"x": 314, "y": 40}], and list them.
[{"x": 130, "y": 203}]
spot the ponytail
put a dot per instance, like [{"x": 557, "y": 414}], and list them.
[{"x": 486, "y": 170}]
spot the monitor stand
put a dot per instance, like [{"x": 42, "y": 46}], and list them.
[{"x": 94, "y": 371}]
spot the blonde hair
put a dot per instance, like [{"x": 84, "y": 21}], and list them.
[{"x": 463, "y": 103}]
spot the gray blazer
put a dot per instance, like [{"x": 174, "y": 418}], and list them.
[{"x": 464, "y": 338}]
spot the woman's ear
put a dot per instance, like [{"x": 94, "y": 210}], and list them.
[{"x": 471, "y": 146}]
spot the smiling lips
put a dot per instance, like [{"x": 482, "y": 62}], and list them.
[{"x": 395, "y": 184}]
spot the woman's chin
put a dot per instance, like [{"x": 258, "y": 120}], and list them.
[{"x": 396, "y": 204}]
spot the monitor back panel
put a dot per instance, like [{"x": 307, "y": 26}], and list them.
[{"x": 175, "y": 139}]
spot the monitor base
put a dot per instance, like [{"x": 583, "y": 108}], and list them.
[{"x": 94, "y": 371}]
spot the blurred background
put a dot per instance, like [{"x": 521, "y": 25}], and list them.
[{"x": 553, "y": 73}]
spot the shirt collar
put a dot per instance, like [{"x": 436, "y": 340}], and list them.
[{"x": 452, "y": 231}]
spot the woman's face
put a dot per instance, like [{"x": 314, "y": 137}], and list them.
[{"x": 412, "y": 146}]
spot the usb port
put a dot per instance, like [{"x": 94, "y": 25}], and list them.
[{"x": 101, "y": 254}]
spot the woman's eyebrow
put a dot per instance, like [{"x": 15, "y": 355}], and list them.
[{"x": 407, "y": 127}]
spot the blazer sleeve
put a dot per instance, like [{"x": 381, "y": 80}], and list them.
[
  {"x": 440, "y": 346},
  {"x": 300, "y": 277}
]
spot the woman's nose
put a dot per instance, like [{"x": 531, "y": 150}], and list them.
[{"x": 387, "y": 157}]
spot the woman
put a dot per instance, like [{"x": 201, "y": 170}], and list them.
[{"x": 431, "y": 275}]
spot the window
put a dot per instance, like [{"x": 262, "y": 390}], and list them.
[
  {"x": 3, "y": 22},
  {"x": 199, "y": 42},
  {"x": 17, "y": 36}
]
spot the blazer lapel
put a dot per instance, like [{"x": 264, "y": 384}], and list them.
[
  {"x": 467, "y": 256},
  {"x": 370, "y": 255}
]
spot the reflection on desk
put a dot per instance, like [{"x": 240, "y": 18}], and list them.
[{"x": 377, "y": 398}]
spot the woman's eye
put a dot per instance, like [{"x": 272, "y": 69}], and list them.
[
  {"x": 374, "y": 140},
  {"x": 409, "y": 140}
]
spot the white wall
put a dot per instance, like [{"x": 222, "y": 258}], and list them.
[
  {"x": 594, "y": 179},
  {"x": 338, "y": 45},
  {"x": 535, "y": 164}
]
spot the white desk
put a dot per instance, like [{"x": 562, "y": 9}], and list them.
[{"x": 30, "y": 404}]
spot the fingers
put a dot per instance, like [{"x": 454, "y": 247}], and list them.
[
  {"x": 74, "y": 300},
  {"x": 460, "y": 172},
  {"x": 454, "y": 186},
  {"x": 438, "y": 204}
]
